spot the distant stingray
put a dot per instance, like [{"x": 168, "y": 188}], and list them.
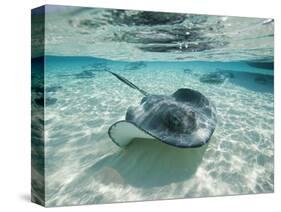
[
  {"x": 187, "y": 70},
  {"x": 217, "y": 77},
  {"x": 53, "y": 89},
  {"x": 135, "y": 65},
  {"x": 86, "y": 74},
  {"x": 82, "y": 75},
  {"x": 185, "y": 119}
]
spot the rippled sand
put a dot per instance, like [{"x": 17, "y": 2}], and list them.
[{"x": 84, "y": 166}]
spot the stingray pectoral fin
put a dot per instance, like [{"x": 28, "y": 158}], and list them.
[{"x": 123, "y": 132}]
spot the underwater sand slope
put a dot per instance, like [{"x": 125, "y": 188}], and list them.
[{"x": 84, "y": 166}]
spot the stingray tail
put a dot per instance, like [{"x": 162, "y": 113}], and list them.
[{"x": 128, "y": 83}]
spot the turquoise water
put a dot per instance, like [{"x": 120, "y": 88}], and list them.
[
  {"x": 84, "y": 166},
  {"x": 230, "y": 63}
]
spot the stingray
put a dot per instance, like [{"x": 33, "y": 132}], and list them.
[
  {"x": 217, "y": 77},
  {"x": 86, "y": 74},
  {"x": 135, "y": 65},
  {"x": 53, "y": 89},
  {"x": 184, "y": 119}
]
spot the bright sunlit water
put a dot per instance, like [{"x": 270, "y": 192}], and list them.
[{"x": 82, "y": 100}]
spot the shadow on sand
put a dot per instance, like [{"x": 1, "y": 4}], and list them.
[{"x": 147, "y": 163}]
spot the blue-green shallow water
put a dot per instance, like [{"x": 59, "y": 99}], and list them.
[{"x": 82, "y": 164}]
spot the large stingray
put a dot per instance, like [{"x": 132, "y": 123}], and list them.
[{"x": 184, "y": 119}]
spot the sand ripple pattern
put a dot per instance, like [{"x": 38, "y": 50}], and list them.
[{"x": 83, "y": 166}]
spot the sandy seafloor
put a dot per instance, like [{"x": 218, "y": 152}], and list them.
[{"x": 83, "y": 166}]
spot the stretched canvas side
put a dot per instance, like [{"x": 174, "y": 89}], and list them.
[{"x": 37, "y": 106}]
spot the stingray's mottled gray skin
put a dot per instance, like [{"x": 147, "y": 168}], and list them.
[{"x": 184, "y": 119}]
